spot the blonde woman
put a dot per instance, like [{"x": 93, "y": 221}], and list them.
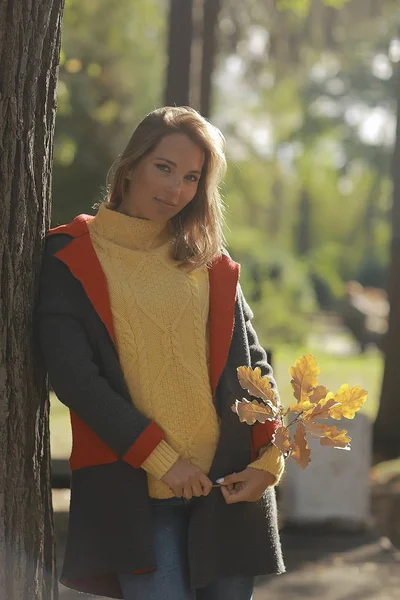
[{"x": 142, "y": 324}]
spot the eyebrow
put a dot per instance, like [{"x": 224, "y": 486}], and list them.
[{"x": 171, "y": 162}]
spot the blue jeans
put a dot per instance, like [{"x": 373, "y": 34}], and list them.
[{"x": 171, "y": 579}]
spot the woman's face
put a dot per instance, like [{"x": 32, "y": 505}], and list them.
[{"x": 165, "y": 180}]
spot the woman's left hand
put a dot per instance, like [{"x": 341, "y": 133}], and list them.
[{"x": 246, "y": 486}]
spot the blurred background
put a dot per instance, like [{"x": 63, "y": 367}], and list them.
[
  {"x": 305, "y": 98},
  {"x": 304, "y": 92}
]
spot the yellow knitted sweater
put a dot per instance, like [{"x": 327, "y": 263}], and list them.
[{"x": 160, "y": 317}]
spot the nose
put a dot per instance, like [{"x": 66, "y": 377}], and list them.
[
  {"x": 175, "y": 184},
  {"x": 174, "y": 187}
]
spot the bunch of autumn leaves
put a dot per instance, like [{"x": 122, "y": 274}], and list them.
[{"x": 314, "y": 403}]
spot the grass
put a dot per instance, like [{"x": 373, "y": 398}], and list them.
[{"x": 60, "y": 430}]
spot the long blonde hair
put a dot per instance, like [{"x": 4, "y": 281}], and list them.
[{"x": 197, "y": 230}]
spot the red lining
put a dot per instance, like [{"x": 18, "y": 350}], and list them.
[
  {"x": 224, "y": 275},
  {"x": 261, "y": 435},
  {"x": 81, "y": 259},
  {"x": 144, "y": 445},
  {"x": 88, "y": 450}
]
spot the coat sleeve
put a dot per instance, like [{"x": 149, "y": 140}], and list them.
[
  {"x": 264, "y": 457},
  {"x": 74, "y": 373}
]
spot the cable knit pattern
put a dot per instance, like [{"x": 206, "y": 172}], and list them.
[{"x": 160, "y": 316}]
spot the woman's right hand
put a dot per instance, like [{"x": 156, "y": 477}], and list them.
[{"x": 187, "y": 480}]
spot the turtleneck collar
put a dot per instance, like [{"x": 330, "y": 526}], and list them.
[{"x": 129, "y": 232}]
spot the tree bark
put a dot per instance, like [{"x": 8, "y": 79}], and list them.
[
  {"x": 177, "y": 90},
  {"x": 387, "y": 424},
  {"x": 211, "y": 12},
  {"x": 29, "y": 50}
]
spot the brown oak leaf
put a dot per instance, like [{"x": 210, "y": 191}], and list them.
[
  {"x": 257, "y": 386},
  {"x": 316, "y": 430},
  {"x": 250, "y": 412},
  {"x": 321, "y": 410},
  {"x": 281, "y": 439},
  {"x": 301, "y": 451},
  {"x": 319, "y": 393},
  {"x": 336, "y": 438}
]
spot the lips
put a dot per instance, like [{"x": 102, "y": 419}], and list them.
[{"x": 166, "y": 203}]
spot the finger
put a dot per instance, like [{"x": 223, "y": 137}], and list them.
[
  {"x": 238, "y": 487},
  {"x": 233, "y": 478},
  {"x": 205, "y": 483},
  {"x": 187, "y": 491},
  {"x": 197, "y": 490},
  {"x": 238, "y": 495},
  {"x": 226, "y": 494},
  {"x": 178, "y": 492}
]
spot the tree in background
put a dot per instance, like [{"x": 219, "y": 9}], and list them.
[
  {"x": 29, "y": 47},
  {"x": 211, "y": 11},
  {"x": 192, "y": 49},
  {"x": 180, "y": 39},
  {"x": 387, "y": 424},
  {"x": 298, "y": 130}
]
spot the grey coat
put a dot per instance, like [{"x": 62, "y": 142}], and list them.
[{"x": 110, "y": 525}]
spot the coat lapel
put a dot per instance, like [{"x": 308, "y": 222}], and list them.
[
  {"x": 81, "y": 259},
  {"x": 224, "y": 275}
]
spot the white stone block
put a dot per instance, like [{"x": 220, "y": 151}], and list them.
[{"x": 335, "y": 485}]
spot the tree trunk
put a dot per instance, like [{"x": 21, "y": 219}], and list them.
[
  {"x": 387, "y": 424},
  {"x": 211, "y": 12},
  {"x": 29, "y": 47},
  {"x": 177, "y": 91}
]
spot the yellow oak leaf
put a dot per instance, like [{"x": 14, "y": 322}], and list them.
[
  {"x": 300, "y": 407},
  {"x": 301, "y": 451},
  {"x": 322, "y": 409},
  {"x": 304, "y": 377},
  {"x": 281, "y": 439},
  {"x": 350, "y": 400},
  {"x": 257, "y": 386},
  {"x": 250, "y": 412},
  {"x": 336, "y": 438}
]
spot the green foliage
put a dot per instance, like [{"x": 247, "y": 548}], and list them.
[
  {"x": 308, "y": 178},
  {"x": 111, "y": 75},
  {"x": 302, "y": 7},
  {"x": 308, "y": 188}
]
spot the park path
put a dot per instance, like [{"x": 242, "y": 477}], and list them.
[{"x": 321, "y": 565}]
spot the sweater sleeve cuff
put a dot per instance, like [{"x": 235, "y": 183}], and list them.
[
  {"x": 271, "y": 460},
  {"x": 159, "y": 462}
]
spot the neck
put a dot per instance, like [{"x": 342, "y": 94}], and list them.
[{"x": 128, "y": 231}]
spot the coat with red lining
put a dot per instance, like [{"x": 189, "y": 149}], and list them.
[{"x": 76, "y": 334}]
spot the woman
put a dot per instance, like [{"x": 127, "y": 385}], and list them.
[{"x": 142, "y": 324}]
